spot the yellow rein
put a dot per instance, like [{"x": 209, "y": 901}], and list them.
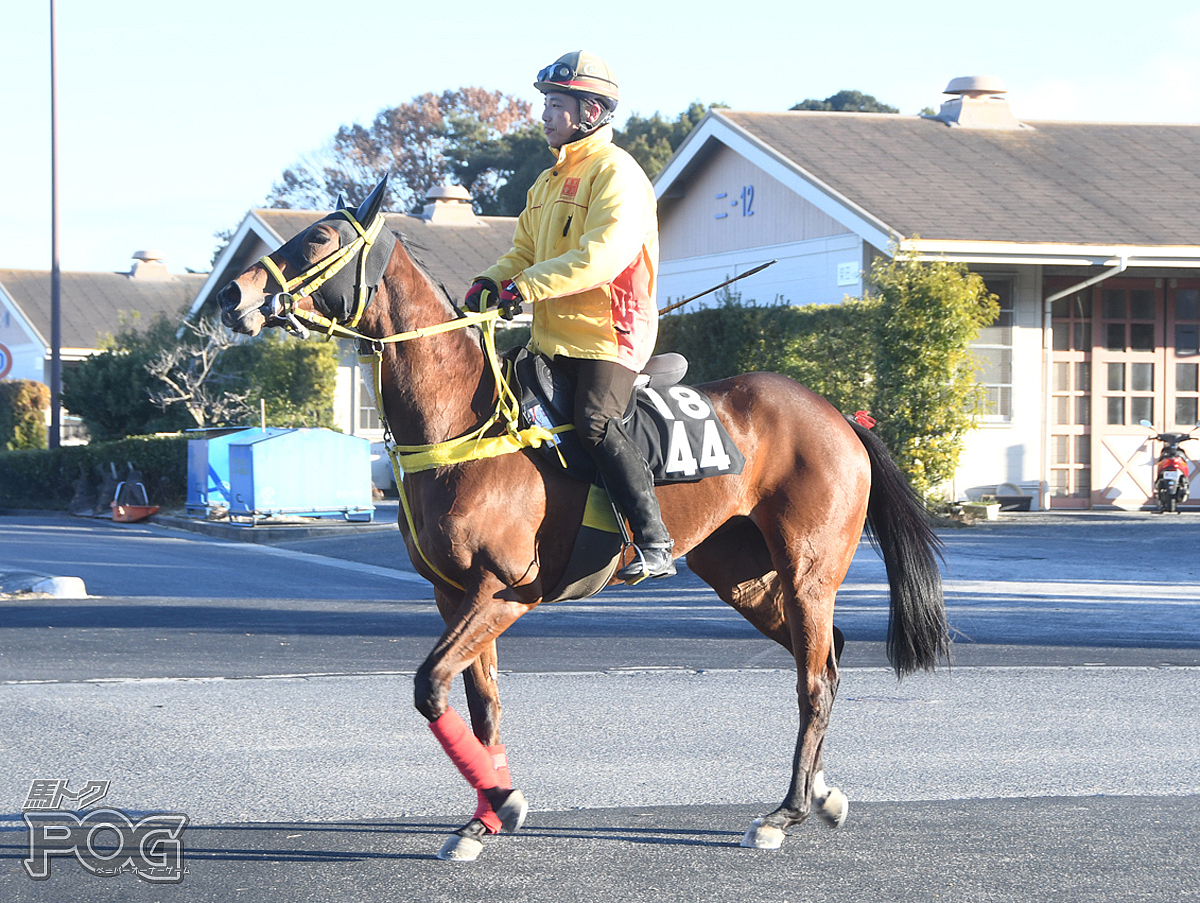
[
  {"x": 408, "y": 459},
  {"x": 472, "y": 446}
]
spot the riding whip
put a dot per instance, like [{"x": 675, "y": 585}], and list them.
[{"x": 708, "y": 291}]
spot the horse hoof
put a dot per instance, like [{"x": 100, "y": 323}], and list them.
[
  {"x": 458, "y": 848},
  {"x": 834, "y": 808},
  {"x": 760, "y": 836},
  {"x": 832, "y": 805},
  {"x": 512, "y": 812}
]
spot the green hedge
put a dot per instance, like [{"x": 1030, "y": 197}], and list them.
[
  {"x": 902, "y": 353},
  {"x": 45, "y": 478},
  {"x": 829, "y": 348}
]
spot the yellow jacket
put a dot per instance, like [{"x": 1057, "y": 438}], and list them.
[{"x": 585, "y": 253}]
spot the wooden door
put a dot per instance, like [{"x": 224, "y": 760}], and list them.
[
  {"x": 1124, "y": 351},
  {"x": 1128, "y": 386}
]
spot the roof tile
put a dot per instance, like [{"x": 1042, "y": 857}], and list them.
[
  {"x": 95, "y": 305},
  {"x": 1093, "y": 183}
]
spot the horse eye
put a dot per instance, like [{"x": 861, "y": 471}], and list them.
[{"x": 318, "y": 238}]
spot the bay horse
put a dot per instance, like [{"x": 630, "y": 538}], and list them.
[{"x": 493, "y": 535}]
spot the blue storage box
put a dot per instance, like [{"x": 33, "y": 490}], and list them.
[
  {"x": 208, "y": 466},
  {"x": 268, "y": 473},
  {"x": 309, "y": 472}
]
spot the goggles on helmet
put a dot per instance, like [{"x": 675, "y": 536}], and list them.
[
  {"x": 579, "y": 73},
  {"x": 557, "y": 72}
]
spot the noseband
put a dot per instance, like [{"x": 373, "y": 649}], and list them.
[{"x": 310, "y": 281}]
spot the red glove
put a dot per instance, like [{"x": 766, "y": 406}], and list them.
[
  {"x": 510, "y": 300},
  {"x": 482, "y": 293}
]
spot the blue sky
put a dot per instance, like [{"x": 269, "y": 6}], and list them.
[{"x": 175, "y": 119}]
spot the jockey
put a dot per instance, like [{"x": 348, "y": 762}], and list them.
[{"x": 585, "y": 254}]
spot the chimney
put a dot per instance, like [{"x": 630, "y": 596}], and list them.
[
  {"x": 449, "y": 205},
  {"x": 149, "y": 265},
  {"x": 979, "y": 105}
]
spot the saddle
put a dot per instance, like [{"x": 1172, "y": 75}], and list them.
[{"x": 673, "y": 425}]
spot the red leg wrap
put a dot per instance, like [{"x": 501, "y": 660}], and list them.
[
  {"x": 465, "y": 751},
  {"x": 483, "y": 811}
]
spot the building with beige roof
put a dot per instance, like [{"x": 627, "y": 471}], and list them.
[
  {"x": 1086, "y": 231},
  {"x": 95, "y": 306}
]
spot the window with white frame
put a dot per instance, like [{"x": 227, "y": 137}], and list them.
[
  {"x": 368, "y": 415},
  {"x": 993, "y": 351}
]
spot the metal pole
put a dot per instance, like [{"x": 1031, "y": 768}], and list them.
[{"x": 55, "y": 275}]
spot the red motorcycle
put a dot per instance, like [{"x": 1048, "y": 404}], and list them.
[{"x": 1171, "y": 469}]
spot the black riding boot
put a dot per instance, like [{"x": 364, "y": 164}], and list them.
[{"x": 631, "y": 485}]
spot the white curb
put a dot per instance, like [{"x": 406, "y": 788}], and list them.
[{"x": 61, "y": 587}]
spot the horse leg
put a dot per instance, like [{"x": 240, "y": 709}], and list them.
[
  {"x": 471, "y": 628},
  {"x": 830, "y": 802},
  {"x": 737, "y": 564},
  {"x": 480, "y": 680},
  {"x": 808, "y": 582}
]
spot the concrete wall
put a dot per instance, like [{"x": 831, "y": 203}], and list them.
[{"x": 818, "y": 271}]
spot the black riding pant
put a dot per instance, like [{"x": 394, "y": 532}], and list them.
[{"x": 602, "y": 392}]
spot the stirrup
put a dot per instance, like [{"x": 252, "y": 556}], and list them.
[{"x": 637, "y": 571}]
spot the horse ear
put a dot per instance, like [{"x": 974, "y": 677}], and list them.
[
  {"x": 340, "y": 204},
  {"x": 369, "y": 208}
]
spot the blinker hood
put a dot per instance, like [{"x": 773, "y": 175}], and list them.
[{"x": 338, "y": 296}]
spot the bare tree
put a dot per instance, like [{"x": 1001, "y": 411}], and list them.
[{"x": 188, "y": 378}]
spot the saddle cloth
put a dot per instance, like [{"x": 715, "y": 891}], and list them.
[{"x": 673, "y": 425}]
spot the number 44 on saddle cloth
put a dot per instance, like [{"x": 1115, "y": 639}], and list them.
[
  {"x": 679, "y": 433},
  {"x": 674, "y": 426}
]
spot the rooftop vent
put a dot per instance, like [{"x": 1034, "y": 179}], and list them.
[
  {"x": 149, "y": 265},
  {"x": 979, "y": 105},
  {"x": 448, "y": 204}
]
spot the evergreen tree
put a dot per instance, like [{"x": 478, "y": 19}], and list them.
[
  {"x": 847, "y": 102},
  {"x": 926, "y": 394}
]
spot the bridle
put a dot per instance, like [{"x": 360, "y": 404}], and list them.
[
  {"x": 282, "y": 305},
  {"x": 472, "y": 446}
]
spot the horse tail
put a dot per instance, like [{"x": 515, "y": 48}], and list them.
[{"x": 899, "y": 528}]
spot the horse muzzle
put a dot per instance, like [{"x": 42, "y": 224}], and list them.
[{"x": 237, "y": 311}]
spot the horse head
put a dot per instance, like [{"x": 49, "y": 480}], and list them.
[{"x": 328, "y": 272}]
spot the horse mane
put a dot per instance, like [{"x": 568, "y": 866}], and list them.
[{"x": 413, "y": 249}]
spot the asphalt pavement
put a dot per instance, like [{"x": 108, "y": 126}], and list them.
[{"x": 264, "y": 689}]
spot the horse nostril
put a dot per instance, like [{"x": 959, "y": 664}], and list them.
[
  {"x": 227, "y": 317},
  {"x": 229, "y": 296}
]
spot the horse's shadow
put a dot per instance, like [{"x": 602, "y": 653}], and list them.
[
  {"x": 332, "y": 842},
  {"x": 364, "y": 841},
  {"x": 413, "y": 840},
  {"x": 672, "y": 837},
  {"x": 350, "y": 842}
]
